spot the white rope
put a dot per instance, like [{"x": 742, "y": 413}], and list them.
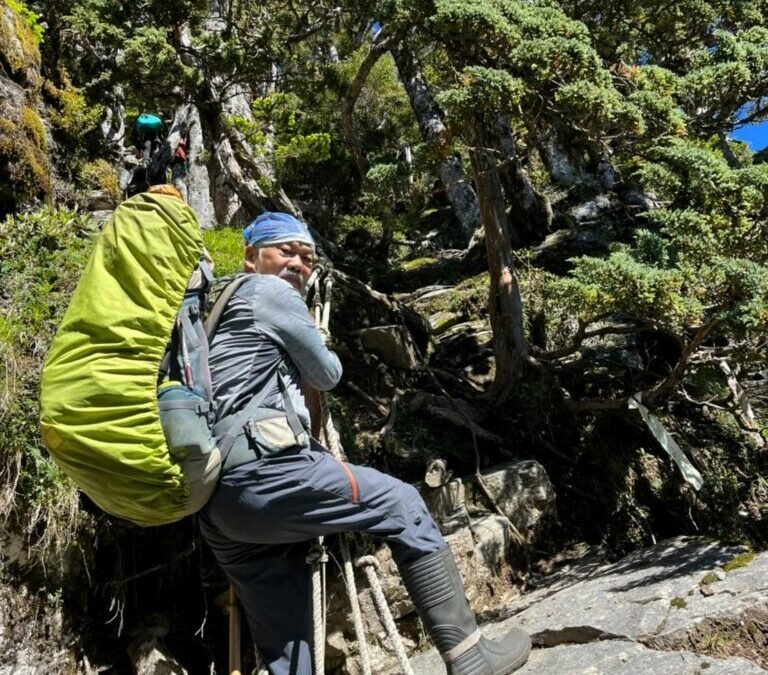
[
  {"x": 317, "y": 558},
  {"x": 322, "y": 313},
  {"x": 357, "y": 615},
  {"x": 327, "y": 305},
  {"x": 370, "y": 566}
]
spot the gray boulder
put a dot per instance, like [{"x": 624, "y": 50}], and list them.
[{"x": 392, "y": 344}]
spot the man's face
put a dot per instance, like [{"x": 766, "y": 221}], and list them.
[{"x": 291, "y": 261}]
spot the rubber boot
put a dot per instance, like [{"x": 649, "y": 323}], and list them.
[{"x": 435, "y": 587}]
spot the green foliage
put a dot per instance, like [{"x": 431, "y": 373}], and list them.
[
  {"x": 20, "y": 40},
  {"x": 226, "y": 247},
  {"x": 727, "y": 74},
  {"x": 152, "y": 64},
  {"x": 594, "y": 103},
  {"x": 470, "y": 297},
  {"x": 105, "y": 45},
  {"x": 383, "y": 117},
  {"x": 661, "y": 33},
  {"x": 739, "y": 561},
  {"x": 74, "y": 121},
  {"x": 302, "y": 150},
  {"x": 33, "y": 127},
  {"x": 274, "y": 133},
  {"x": 72, "y": 115},
  {"x": 651, "y": 100},
  {"x": 532, "y": 58},
  {"x": 347, "y": 223},
  {"x": 620, "y": 284},
  {"x": 43, "y": 253},
  {"x": 101, "y": 175},
  {"x": 31, "y": 18},
  {"x": 389, "y": 181},
  {"x": 482, "y": 90},
  {"x": 704, "y": 257},
  {"x": 712, "y": 208}
]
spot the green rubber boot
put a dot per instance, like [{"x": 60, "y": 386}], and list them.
[{"x": 435, "y": 587}]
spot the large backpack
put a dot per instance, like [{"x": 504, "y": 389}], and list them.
[
  {"x": 140, "y": 452},
  {"x": 147, "y": 123}
]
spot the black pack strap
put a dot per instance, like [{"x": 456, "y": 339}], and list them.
[
  {"x": 206, "y": 271},
  {"x": 226, "y": 431},
  {"x": 200, "y": 407},
  {"x": 203, "y": 350},
  {"x": 290, "y": 412},
  {"x": 165, "y": 364}
]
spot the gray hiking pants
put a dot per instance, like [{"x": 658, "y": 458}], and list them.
[{"x": 263, "y": 517}]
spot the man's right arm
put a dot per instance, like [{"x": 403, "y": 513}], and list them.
[{"x": 284, "y": 312}]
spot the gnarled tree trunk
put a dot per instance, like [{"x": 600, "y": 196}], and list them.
[
  {"x": 457, "y": 186},
  {"x": 530, "y": 212},
  {"x": 505, "y": 306}
]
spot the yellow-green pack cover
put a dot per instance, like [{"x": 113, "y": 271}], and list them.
[{"x": 98, "y": 399}]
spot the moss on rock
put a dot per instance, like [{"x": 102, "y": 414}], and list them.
[
  {"x": 25, "y": 173},
  {"x": 20, "y": 37},
  {"x": 417, "y": 263},
  {"x": 33, "y": 127},
  {"x": 741, "y": 560},
  {"x": 101, "y": 175}
]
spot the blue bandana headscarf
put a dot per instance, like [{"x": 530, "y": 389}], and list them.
[{"x": 272, "y": 228}]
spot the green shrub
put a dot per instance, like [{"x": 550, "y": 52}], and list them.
[
  {"x": 43, "y": 254},
  {"x": 73, "y": 115},
  {"x": 101, "y": 175},
  {"x": 348, "y": 223}
]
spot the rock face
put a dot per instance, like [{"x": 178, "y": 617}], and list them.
[
  {"x": 199, "y": 180},
  {"x": 392, "y": 344},
  {"x": 636, "y": 615},
  {"x": 25, "y": 173},
  {"x": 630, "y": 658},
  {"x": 19, "y": 47},
  {"x": 151, "y": 658},
  {"x": 32, "y": 634},
  {"x": 523, "y": 491}
]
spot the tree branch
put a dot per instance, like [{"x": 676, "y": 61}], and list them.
[
  {"x": 679, "y": 370},
  {"x": 379, "y": 46},
  {"x": 649, "y": 395}
]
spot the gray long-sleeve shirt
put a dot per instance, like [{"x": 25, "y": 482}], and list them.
[{"x": 266, "y": 323}]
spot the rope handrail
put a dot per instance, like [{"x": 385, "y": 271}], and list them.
[{"x": 332, "y": 440}]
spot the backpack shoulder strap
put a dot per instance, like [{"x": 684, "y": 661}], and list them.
[{"x": 214, "y": 316}]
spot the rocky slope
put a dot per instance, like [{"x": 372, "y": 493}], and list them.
[{"x": 684, "y": 606}]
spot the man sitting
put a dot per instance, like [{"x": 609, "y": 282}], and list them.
[{"x": 280, "y": 490}]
